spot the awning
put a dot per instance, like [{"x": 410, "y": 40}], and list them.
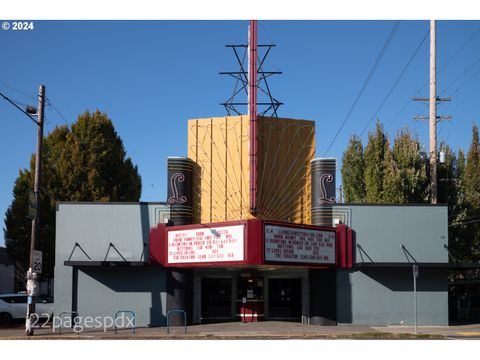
[
  {"x": 399, "y": 265},
  {"x": 105, "y": 263}
]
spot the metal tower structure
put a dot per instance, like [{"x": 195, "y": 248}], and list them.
[
  {"x": 249, "y": 80},
  {"x": 245, "y": 77}
]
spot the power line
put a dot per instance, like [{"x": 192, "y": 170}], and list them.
[
  {"x": 459, "y": 50},
  {"x": 18, "y": 91},
  {"x": 465, "y": 222},
  {"x": 398, "y": 114},
  {"x": 438, "y": 71},
  {"x": 396, "y": 82},
  {"x": 19, "y": 103},
  {"x": 19, "y": 108},
  {"x": 466, "y": 82},
  {"x": 365, "y": 83},
  {"x": 450, "y": 59},
  {"x": 461, "y": 75},
  {"x": 470, "y": 210},
  {"x": 52, "y": 105}
]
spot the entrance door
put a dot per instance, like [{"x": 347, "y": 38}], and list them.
[
  {"x": 216, "y": 299},
  {"x": 285, "y": 299},
  {"x": 250, "y": 304}
]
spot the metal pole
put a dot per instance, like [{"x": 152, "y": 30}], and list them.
[
  {"x": 252, "y": 110},
  {"x": 415, "y": 275},
  {"x": 433, "y": 115},
  {"x": 31, "y": 276},
  {"x": 415, "y": 300}
]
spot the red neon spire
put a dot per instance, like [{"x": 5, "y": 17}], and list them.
[{"x": 252, "y": 112}]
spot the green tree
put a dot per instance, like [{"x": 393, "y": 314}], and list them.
[
  {"x": 472, "y": 172},
  {"x": 411, "y": 167},
  {"x": 85, "y": 163},
  {"x": 447, "y": 178},
  {"x": 460, "y": 176},
  {"x": 468, "y": 222},
  {"x": 374, "y": 164},
  {"x": 392, "y": 189},
  {"x": 353, "y": 180}
]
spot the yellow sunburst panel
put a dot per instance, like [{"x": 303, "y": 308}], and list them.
[{"x": 220, "y": 149}]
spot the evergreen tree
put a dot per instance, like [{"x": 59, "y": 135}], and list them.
[
  {"x": 460, "y": 176},
  {"x": 472, "y": 172},
  {"x": 410, "y": 161},
  {"x": 353, "y": 181},
  {"x": 374, "y": 161},
  {"x": 85, "y": 163},
  {"x": 447, "y": 179},
  {"x": 392, "y": 188},
  {"x": 471, "y": 190}
]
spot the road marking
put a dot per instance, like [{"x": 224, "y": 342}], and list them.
[{"x": 469, "y": 333}]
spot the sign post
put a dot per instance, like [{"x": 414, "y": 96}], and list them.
[{"x": 415, "y": 276}]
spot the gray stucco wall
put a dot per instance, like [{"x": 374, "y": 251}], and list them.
[
  {"x": 141, "y": 290},
  {"x": 383, "y": 296},
  {"x": 379, "y": 232},
  {"x": 102, "y": 291}
]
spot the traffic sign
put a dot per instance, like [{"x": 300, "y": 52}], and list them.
[{"x": 37, "y": 261}]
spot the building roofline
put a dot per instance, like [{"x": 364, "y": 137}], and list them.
[
  {"x": 111, "y": 203},
  {"x": 398, "y": 205}
]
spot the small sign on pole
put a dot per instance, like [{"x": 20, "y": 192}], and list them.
[
  {"x": 415, "y": 271},
  {"x": 37, "y": 262}
]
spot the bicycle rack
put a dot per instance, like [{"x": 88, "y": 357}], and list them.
[
  {"x": 60, "y": 316},
  {"x": 184, "y": 318},
  {"x": 124, "y": 312}
]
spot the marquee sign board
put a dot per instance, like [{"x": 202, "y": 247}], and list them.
[
  {"x": 207, "y": 244},
  {"x": 299, "y": 245}
]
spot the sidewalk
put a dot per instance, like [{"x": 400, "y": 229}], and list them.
[{"x": 260, "y": 330}]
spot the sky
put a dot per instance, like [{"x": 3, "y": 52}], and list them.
[{"x": 150, "y": 77}]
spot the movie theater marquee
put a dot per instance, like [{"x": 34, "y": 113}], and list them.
[
  {"x": 217, "y": 244},
  {"x": 299, "y": 245}
]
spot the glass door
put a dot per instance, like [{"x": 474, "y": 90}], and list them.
[
  {"x": 285, "y": 299},
  {"x": 250, "y": 304},
  {"x": 216, "y": 299}
]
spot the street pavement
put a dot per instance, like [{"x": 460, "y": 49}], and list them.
[{"x": 260, "y": 330}]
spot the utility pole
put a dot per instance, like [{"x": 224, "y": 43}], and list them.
[
  {"x": 433, "y": 114},
  {"x": 31, "y": 275},
  {"x": 38, "y": 171},
  {"x": 32, "y": 283},
  {"x": 433, "y": 118}
]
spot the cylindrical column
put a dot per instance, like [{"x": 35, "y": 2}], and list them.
[
  {"x": 179, "y": 182},
  {"x": 323, "y": 190},
  {"x": 179, "y": 196}
]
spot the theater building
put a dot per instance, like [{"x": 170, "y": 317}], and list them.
[{"x": 295, "y": 255}]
